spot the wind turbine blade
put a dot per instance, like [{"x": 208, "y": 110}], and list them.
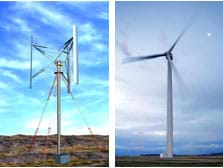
[
  {"x": 40, "y": 46},
  {"x": 66, "y": 46},
  {"x": 123, "y": 47},
  {"x": 68, "y": 67},
  {"x": 179, "y": 79},
  {"x": 41, "y": 51},
  {"x": 75, "y": 56},
  {"x": 71, "y": 46},
  {"x": 31, "y": 62},
  {"x": 181, "y": 34},
  {"x": 182, "y": 91},
  {"x": 39, "y": 72},
  {"x": 67, "y": 43},
  {"x": 141, "y": 58}
]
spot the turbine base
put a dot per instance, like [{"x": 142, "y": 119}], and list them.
[
  {"x": 62, "y": 158},
  {"x": 165, "y": 156}
]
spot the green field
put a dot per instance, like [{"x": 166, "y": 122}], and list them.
[{"x": 178, "y": 161}]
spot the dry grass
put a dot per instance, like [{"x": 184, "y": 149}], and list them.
[
  {"x": 83, "y": 150},
  {"x": 51, "y": 163},
  {"x": 178, "y": 161}
]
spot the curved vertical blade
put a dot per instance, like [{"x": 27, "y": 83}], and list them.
[
  {"x": 31, "y": 62},
  {"x": 75, "y": 56},
  {"x": 68, "y": 66},
  {"x": 181, "y": 34}
]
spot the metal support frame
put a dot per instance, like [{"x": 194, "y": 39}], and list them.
[{"x": 58, "y": 77}]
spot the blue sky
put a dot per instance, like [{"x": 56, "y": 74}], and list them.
[
  {"x": 51, "y": 25},
  {"x": 151, "y": 27}
]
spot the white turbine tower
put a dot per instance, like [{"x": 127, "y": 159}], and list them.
[{"x": 169, "y": 57}]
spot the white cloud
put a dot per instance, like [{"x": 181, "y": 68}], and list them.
[
  {"x": 31, "y": 125},
  {"x": 132, "y": 147},
  {"x": 11, "y": 75},
  {"x": 86, "y": 8},
  {"x": 103, "y": 15},
  {"x": 91, "y": 93},
  {"x": 88, "y": 33},
  {"x": 22, "y": 24},
  {"x": 35, "y": 101},
  {"x": 3, "y": 85},
  {"x": 6, "y": 26},
  {"x": 100, "y": 47},
  {"x": 91, "y": 62},
  {"x": 23, "y": 49},
  {"x": 15, "y": 64},
  {"x": 3, "y": 102},
  {"x": 51, "y": 16},
  {"x": 69, "y": 126},
  {"x": 210, "y": 146},
  {"x": 102, "y": 130},
  {"x": 85, "y": 79},
  {"x": 46, "y": 14}
]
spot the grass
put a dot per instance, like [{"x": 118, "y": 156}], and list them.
[
  {"x": 51, "y": 163},
  {"x": 178, "y": 161},
  {"x": 75, "y": 161},
  {"x": 83, "y": 150}
]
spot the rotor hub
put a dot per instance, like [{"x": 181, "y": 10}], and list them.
[
  {"x": 59, "y": 64},
  {"x": 170, "y": 55}
]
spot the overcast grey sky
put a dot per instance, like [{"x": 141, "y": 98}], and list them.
[{"x": 152, "y": 27}]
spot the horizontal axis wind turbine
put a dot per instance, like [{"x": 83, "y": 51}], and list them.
[{"x": 169, "y": 57}]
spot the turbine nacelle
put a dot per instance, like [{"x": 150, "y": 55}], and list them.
[{"x": 168, "y": 55}]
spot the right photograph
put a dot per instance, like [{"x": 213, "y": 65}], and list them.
[{"x": 169, "y": 83}]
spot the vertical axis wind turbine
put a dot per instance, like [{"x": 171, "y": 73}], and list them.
[
  {"x": 169, "y": 57},
  {"x": 66, "y": 52}
]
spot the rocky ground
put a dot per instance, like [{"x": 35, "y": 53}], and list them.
[{"x": 84, "y": 150}]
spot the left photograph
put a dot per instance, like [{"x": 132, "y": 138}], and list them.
[{"x": 54, "y": 84}]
